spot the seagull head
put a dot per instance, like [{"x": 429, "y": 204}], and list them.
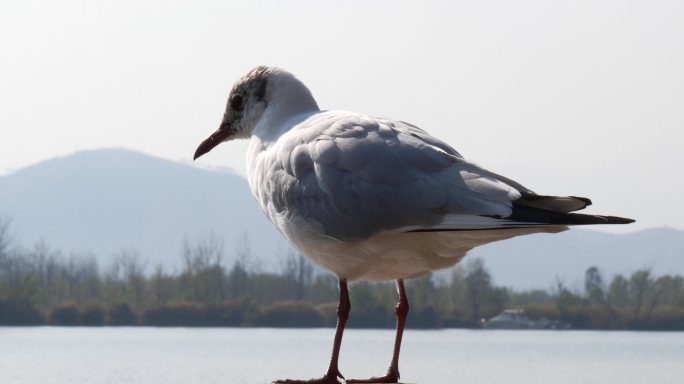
[{"x": 263, "y": 90}]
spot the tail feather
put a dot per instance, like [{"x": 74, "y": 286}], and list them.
[{"x": 529, "y": 211}]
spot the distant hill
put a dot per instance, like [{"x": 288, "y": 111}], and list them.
[
  {"x": 535, "y": 261},
  {"x": 100, "y": 201}
]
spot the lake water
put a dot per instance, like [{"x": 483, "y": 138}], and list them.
[{"x": 45, "y": 355}]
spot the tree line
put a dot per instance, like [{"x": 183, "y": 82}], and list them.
[{"x": 42, "y": 285}]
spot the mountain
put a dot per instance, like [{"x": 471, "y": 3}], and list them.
[
  {"x": 536, "y": 261},
  {"x": 100, "y": 201}
]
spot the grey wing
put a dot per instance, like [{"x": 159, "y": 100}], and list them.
[{"x": 358, "y": 176}]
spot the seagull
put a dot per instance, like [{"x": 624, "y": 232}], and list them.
[{"x": 373, "y": 199}]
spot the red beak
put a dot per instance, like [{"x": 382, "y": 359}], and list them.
[{"x": 215, "y": 139}]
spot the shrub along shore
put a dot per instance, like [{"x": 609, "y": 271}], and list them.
[
  {"x": 300, "y": 314},
  {"x": 41, "y": 286}
]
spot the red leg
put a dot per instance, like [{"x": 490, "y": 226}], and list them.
[
  {"x": 333, "y": 373},
  {"x": 392, "y": 375}
]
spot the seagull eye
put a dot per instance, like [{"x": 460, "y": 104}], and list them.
[{"x": 236, "y": 102}]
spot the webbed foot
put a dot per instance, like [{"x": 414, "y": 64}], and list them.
[
  {"x": 329, "y": 378},
  {"x": 392, "y": 376}
]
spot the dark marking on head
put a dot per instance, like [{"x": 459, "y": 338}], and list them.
[
  {"x": 260, "y": 92},
  {"x": 236, "y": 102},
  {"x": 258, "y": 76},
  {"x": 251, "y": 88}
]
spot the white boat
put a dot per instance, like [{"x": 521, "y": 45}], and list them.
[{"x": 517, "y": 319}]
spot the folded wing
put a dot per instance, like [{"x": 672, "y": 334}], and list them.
[{"x": 359, "y": 176}]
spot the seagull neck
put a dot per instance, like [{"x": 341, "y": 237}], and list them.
[
  {"x": 277, "y": 121},
  {"x": 288, "y": 99}
]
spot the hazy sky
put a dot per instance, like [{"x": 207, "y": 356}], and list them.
[{"x": 578, "y": 98}]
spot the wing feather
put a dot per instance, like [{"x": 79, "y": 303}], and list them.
[{"x": 358, "y": 176}]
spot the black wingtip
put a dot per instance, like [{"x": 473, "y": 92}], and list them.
[
  {"x": 584, "y": 199},
  {"x": 617, "y": 220},
  {"x": 565, "y": 204},
  {"x": 536, "y": 215}
]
